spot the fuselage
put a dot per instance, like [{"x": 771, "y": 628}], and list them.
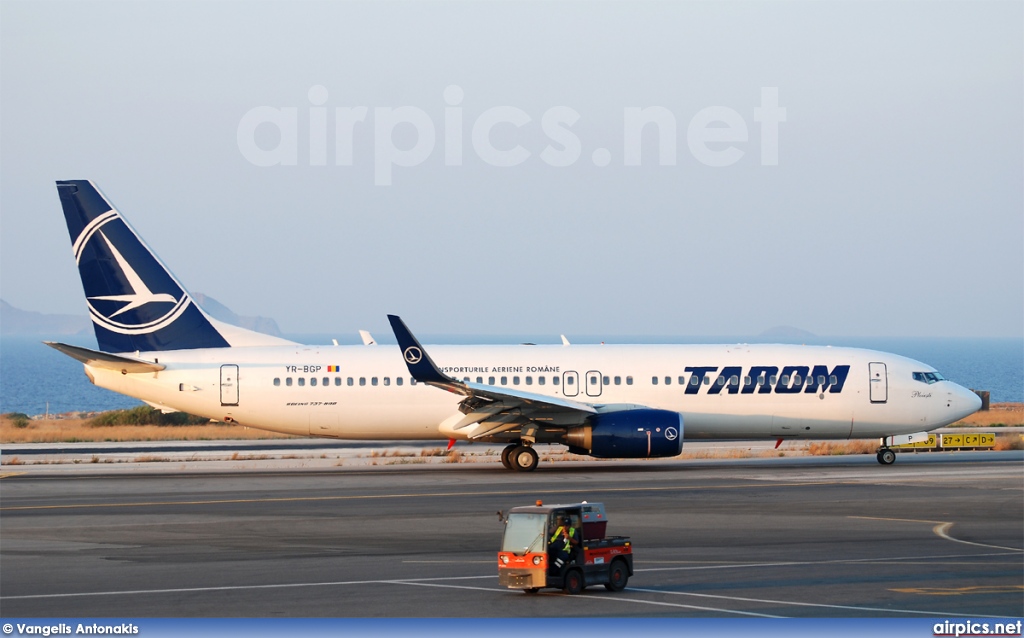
[{"x": 722, "y": 391}]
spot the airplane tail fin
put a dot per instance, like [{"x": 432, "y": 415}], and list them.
[{"x": 135, "y": 303}]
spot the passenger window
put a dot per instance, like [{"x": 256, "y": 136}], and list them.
[
  {"x": 350, "y": 381},
  {"x": 504, "y": 381},
  {"x": 734, "y": 380},
  {"x": 654, "y": 380},
  {"x": 570, "y": 381},
  {"x": 373, "y": 381},
  {"x": 312, "y": 381},
  {"x": 833, "y": 380},
  {"x": 398, "y": 380},
  {"x": 515, "y": 380},
  {"x": 541, "y": 380},
  {"x": 821, "y": 379},
  {"x": 302, "y": 381},
  {"x": 707, "y": 380},
  {"x": 668, "y": 380},
  {"x": 337, "y": 380},
  {"x": 387, "y": 380},
  {"x": 785, "y": 379},
  {"x": 720, "y": 380},
  {"x": 618, "y": 380},
  {"x": 629, "y": 380},
  {"x": 760, "y": 380},
  {"x": 480, "y": 380},
  {"x": 681, "y": 380},
  {"x": 605, "y": 381},
  {"x": 746, "y": 380},
  {"x": 555, "y": 380},
  {"x": 593, "y": 381},
  {"x": 362, "y": 380},
  {"x": 277, "y": 381},
  {"x": 288, "y": 381},
  {"x": 529, "y": 380},
  {"x": 694, "y": 379},
  {"x": 412, "y": 380},
  {"x": 326, "y": 381},
  {"x": 797, "y": 380},
  {"x": 490, "y": 380}
]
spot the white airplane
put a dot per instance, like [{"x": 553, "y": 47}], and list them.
[{"x": 606, "y": 401}]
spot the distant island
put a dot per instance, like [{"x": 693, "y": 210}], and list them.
[
  {"x": 219, "y": 311},
  {"x": 15, "y": 321}
]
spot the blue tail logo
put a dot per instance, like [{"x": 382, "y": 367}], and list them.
[{"x": 134, "y": 301}]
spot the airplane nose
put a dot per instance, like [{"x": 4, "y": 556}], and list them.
[{"x": 965, "y": 402}]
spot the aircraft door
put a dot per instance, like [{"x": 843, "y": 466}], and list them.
[
  {"x": 594, "y": 383},
  {"x": 879, "y": 382},
  {"x": 570, "y": 383},
  {"x": 229, "y": 384}
]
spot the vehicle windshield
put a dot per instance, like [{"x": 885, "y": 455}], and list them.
[
  {"x": 928, "y": 377},
  {"x": 523, "y": 533}
]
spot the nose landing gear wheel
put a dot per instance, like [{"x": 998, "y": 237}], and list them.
[
  {"x": 523, "y": 459},
  {"x": 886, "y": 456}
]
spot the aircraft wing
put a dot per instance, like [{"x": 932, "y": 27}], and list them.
[
  {"x": 494, "y": 409},
  {"x": 99, "y": 359}
]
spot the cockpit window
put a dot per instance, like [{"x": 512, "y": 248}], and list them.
[{"x": 928, "y": 377}]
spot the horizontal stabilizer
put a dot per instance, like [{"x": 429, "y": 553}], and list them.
[{"x": 106, "y": 360}]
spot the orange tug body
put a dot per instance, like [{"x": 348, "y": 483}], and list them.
[{"x": 533, "y": 542}]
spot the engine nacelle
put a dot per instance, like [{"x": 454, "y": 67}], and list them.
[{"x": 629, "y": 434}]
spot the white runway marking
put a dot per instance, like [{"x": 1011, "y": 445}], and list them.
[
  {"x": 819, "y": 562},
  {"x": 600, "y": 599},
  {"x": 178, "y": 590},
  {"x": 941, "y": 530},
  {"x": 801, "y": 604}
]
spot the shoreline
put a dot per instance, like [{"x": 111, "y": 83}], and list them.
[
  {"x": 71, "y": 427},
  {"x": 74, "y": 441}
]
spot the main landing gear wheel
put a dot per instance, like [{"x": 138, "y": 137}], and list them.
[
  {"x": 506, "y": 453},
  {"x": 523, "y": 459},
  {"x": 886, "y": 456}
]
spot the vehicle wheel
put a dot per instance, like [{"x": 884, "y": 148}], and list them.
[
  {"x": 886, "y": 456},
  {"x": 524, "y": 459},
  {"x": 505, "y": 456},
  {"x": 532, "y": 590},
  {"x": 617, "y": 576},
  {"x": 573, "y": 582}
]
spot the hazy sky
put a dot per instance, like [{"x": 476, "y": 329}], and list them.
[{"x": 895, "y": 206}]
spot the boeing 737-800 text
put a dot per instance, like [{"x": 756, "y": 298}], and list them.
[{"x": 607, "y": 401}]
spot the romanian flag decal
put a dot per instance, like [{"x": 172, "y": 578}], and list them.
[{"x": 333, "y": 369}]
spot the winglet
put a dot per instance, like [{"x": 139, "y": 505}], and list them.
[{"x": 421, "y": 367}]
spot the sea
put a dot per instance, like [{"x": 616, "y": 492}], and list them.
[{"x": 35, "y": 379}]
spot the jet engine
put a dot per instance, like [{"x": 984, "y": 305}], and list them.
[{"x": 629, "y": 434}]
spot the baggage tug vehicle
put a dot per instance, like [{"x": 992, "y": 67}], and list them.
[{"x": 527, "y": 560}]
